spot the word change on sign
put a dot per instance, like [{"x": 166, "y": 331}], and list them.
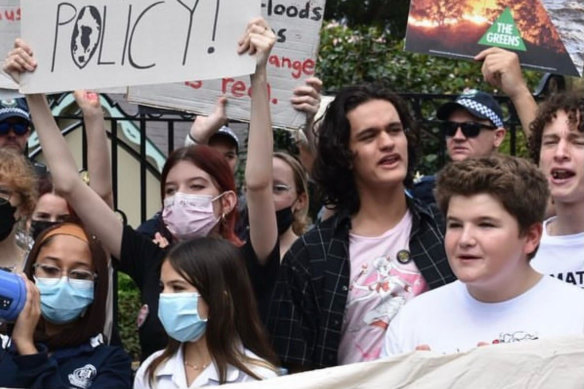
[
  {"x": 296, "y": 24},
  {"x": 98, "y": 43}
]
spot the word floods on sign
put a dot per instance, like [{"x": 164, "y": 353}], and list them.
[
  {"x": 100, "y": 43},
  {"x": 296, "y": 24}
]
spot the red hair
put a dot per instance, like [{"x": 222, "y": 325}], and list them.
[{"x": 214, "y": 164}]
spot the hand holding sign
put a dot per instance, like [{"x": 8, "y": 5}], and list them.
[
  {"x": 19, "y": 60},
  {"x": 502, "y": 70},
  {"x": 258, "y": 38}
]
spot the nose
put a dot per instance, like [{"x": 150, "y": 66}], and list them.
[
  {"x": 467, "y": 238},
  {"x": 561, "y": 151},
  {"x": 458, "y": 135},
  {"x": 385, "y": 140}
]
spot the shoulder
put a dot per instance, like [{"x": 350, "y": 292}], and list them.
[
  {"x": 558, "y": 288},
  {"x": 259, "y": 366},
  {"x": 140, "y": 374}
]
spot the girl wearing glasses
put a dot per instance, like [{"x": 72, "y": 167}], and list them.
[{"x": 56, "y": 341}]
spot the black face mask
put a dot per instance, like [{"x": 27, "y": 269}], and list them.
[
  {"x": 38, "y": 226},
  {"x": 284, "y": 219},
  {"x": 7, "y": 219}
]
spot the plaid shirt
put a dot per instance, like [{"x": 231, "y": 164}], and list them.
[{"x": 308, "y": 304}]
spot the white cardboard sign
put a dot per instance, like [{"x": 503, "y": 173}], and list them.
[
  {"x": 296, "y": 24},
  {"x": 100, "y": 44},
  {"x": 9, "y": 30}
]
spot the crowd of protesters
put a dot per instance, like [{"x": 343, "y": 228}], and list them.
[{"x": 489, "y": 250}]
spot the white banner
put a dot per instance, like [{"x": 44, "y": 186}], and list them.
[
  {"x": 541, "y": 364},
  {"x": 9, "y": 30},
  {"x": 296, "y": 24},
  {"x": 95, "y": 44}
]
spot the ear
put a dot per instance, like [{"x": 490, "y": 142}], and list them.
[
  {"x": 499, "y": 136},
  {"x": 532, "y": 237},
  {"x": 228, "y": 202},
  {"x": 301, "y": 202}
]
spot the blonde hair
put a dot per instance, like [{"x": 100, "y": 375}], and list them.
[
  {"x": 17, "y": 174},
  {"x": 301, "y": 219}
]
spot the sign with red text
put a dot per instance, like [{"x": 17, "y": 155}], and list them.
[
  {"x": 296, "y": 24},
  {"x": 96, "y": 44},
  {"x": 547, "y": 35},
  {"x": 9, "y": 31}
]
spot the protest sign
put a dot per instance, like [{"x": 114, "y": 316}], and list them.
[
  {"x": 95, "y": 44},
  {"x": 549, "y": 363},
  {"x": 296, "y": 24},
  {"x": 9, "y": 31},
  {"x": 547, "y": 35}
]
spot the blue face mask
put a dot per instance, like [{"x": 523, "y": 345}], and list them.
[
  {"x": 64, "y": 300},
  {"x": 179, "y": 315}
]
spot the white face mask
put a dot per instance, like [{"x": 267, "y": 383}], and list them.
[{"x": 189, "y": 216}]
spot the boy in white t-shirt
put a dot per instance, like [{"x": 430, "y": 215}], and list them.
[
  {"x": 494, "y": 208},
  {"x": 557, "y": 144}
]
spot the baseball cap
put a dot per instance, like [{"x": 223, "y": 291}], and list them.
[
  {"x": 228, "y": 133},
  {"x": 14, "y": 108},
  {"x": 477, "y": 103}
]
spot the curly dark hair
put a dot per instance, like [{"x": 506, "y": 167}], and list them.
[
  {"x": 332, "y": 168},
  {"x": 570, "y": 102}
]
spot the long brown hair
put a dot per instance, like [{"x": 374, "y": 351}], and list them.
[
  {"x": 216, "y": 268},
  {"x": 214, "y": 164},
  {"x": 92, "y": 322}
]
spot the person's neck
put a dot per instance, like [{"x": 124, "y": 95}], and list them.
[
  {"x": 380, "y": 210},
  {"x": 569, "y": 219},
  {"x": 286, "y": 240},
  {"x": 514, "y": 283},
  {"x": 10, "y": 254},
  {"x": 197, "y": 353}
]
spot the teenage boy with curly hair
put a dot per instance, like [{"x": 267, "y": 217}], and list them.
[{"x": 341, "y": 283}]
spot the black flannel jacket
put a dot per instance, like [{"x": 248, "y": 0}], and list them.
[{"x": 306, "y": 311}]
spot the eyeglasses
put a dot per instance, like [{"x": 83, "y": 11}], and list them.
[
  {"x": 19, "y": 128},
  {"x": 469, "y": 129},
  {"x": 43, "y": 270}
]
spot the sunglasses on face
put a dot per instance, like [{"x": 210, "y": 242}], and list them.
[
  {"x": 18, "y": 128},
  {"x": 469, "y": 129}
]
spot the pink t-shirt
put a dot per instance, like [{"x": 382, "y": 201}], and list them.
[{"x": 383, "y": 278}]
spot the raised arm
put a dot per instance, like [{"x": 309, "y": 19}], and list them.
[
  {"x": 260, "y": 39},
  {"x": 95, "y": 214},
  {"x": 204, "y": 127},
  {"x": 501, "y": 69},
  {"x": 98, "y": 159},
  {"x": 306, "y": 99}
]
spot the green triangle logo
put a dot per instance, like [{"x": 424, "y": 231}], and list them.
[{"x": 504, "y": 33}]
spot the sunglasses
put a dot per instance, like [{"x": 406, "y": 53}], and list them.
[
  {"x": 469, "y": 129},
  {"x": 18, "y": 128}
]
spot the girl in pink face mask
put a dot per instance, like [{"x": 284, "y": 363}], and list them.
[{"x": 197, "y": 187}]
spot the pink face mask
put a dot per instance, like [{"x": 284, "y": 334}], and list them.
[{"x": 189, "y": 216}]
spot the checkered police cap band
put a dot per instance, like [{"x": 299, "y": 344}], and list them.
[{"x": 482, "y": 110}]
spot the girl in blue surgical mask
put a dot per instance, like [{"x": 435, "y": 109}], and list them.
[
  {"x": 208, "y": 311},
  {"x": 57, "y": 344}
]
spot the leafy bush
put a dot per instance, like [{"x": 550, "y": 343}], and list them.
[{"x": 128, "y": 307}]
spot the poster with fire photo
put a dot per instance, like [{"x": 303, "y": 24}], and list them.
[{"x": 547, "y": 35}]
